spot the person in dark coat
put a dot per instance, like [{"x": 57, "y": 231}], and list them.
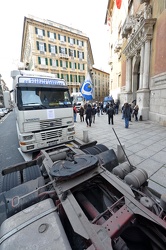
[
  {"x": 127, "y": 114},
  {"x": 93, "y": 114},
  {"x": 88, "y": 114},
  {"x": 81, "y": 111},
  {"x": 111, "y": 113}
]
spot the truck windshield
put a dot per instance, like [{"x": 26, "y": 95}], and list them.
[{"x": 39, "y": 98}]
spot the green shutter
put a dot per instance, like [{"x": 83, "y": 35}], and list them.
[
  {"x": 66, "y": 51},
  {"x": 83, "y": 67},
  {"x": 65, "y": 38},
  {"x": 39, "y": 60},
  {"x": 57, "y": 63},
  {"x": 60, "y": 63},
  {"x": 75, "y": 65},
  {"x": 58, "y": 75},
  {"x": 59, "y": 49},
  {"x": 59, "y": 37},
  {"x": 67, "y": 77},
  {"x": 83, "y": 55},
  {"x": 46, "y": 61},
  {"x": 43, "y": 32},
  {"x": 62, "y": 76},
  {"x": 77, "y": 42},
  {"x": 79, "y": 79},
  {"x": 68, "y": 39},
  {"x": 37, "y": 44},
  {"x": 78, "y": 54},
  {"x": 71, "y": 79},
  {"x": 54, "y": 35},
  {"x": 49, "y": 47},
  {"x": 56, "y": 49},
  {"x": 35, "y": 30},
  {"x": 48, "y": 33},
  {"x": 70, "y": 64},
  {"x": 50, "y": 62},
  {"x": 74, "y": 41},
  {"x": 76, "y": 77},
  {"x": 82, "y": 43},
  {"x": 74, "y": 53},
  {"x": 66, "y": 64},
  {"x": 78, "y": 66},
  {"x": 45, "y": 48}
]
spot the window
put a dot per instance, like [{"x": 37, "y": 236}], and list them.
[
  {"x": 72, "y": 65},
  {"x": 41, "y": 46},
  {"x": 71, "y": 40},
  {"x": 51, "y": 35},
  {"x": 71, "y": 52},
  {"x": 42, "y": 61},
  {"x": 80, "y": 54},
  {"x": 62, "y": 38},
  {"x": 80, "y": 43},
  {"x": 40, "y": 32},
  {"x": 63, "y": 50},
  {"x": 52, "y": 48},
  {"x": 81, "y": 66}
]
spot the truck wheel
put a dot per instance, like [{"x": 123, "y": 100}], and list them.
[
  {"x": 101, "y": 148},
  {"x": 31, "y": 173},
  {"x": 10, "y": 181}
]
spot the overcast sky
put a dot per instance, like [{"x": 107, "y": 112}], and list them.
[{"x": 87, "y": 16}]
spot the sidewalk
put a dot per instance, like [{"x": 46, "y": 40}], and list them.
[{"x": 144, "y": 143}]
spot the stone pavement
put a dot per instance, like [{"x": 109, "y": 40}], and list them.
[{"x": 144, "y": 143}]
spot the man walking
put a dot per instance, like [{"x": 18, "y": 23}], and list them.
[
  {"x": 111, "y": 113},
  {"x": 126, "y": 114}
]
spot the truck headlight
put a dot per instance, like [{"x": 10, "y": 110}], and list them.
[{"x": 27, "y": 137}]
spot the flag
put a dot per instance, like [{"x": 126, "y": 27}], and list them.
[
  {"x": 87, "y": 89},
  {"x": 118, "y": 3}
]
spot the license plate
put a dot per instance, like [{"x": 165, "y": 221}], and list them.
[{"x": 53, "y": 143}]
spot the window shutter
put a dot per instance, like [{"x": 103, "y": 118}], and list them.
[
  {"x": 56, "y": 49},
  {"x": 68, "y": 39},
  {"x": 74, "y": 53},
  {"x": 45, "y": 48},
  {"x": 49, "y": 47},
  {"x": 83, "y": 43},
  {"x": 70, "y": 64},
  {"x": 78, "y": 54},
  {"x": 79, "y": 79},
  {"x": 66, "y": 64},
  {"x": 60, "y": 63},
  {"x": 54, "y": 35},
  {"x": 46, "y": 61},
  {"x": 75, "y": 65},
  {"x": 39, "y": 60},
  {"x": 67, "y": 77},
  {"x": 76, "y": 77},
  {"x": 66, "y": 51},
  {"x": 48, "y": 33},
  {"x": 59, "y": 37},
  {"x": 69, "y": 52},
  {"x": 57, "y": 63},
  {"x": 58, "y": 75},
  {"x": 71, "y": 79},
  {"x": 83, "y": 67},
  {"x": 43, "y": 32},
  {"x": 59, "y": 49},
  {"x": 36, "y": 30},
  {"x": 65, "y": 38},
  {"x": 77, "y": 42},
  {"x": 83, "y": 55},
  {"x": 37, "y": 44},
  {"x": 50, "y": 62},
  {"x": 74, "y": 41},
  {"x": 78, "y": 66}
]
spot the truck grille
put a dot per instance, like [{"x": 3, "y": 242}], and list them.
[
  {"x": 50, "y": 124},
  {"x": 51, "y": 134}
]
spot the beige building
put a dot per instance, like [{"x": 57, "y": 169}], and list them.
[
  {"x": 3, "y": 87},
  {"x": 101, "y": 82},
  {"x": 142, "y": 53},
  {"x": 55, "y": 48}
]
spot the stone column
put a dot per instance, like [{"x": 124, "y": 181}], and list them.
[
  {"x": 146, "y": 65},
  {"x": 128, "y": 75},
  {"x": 141, "y": 67}
]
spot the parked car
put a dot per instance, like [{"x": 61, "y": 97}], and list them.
[
  {"x": 2, "y": 113},
  {"x": 5, "y": 110}
]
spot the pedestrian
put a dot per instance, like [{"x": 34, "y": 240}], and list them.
[
  {"x": 131, "y": 111},
  {"x": 75, "y": 112},
  {"x": 81, "y": 112},
  {"x": 117, "y": 106},
  {"x": 101, "y": 108},
  {"x": 126, "y": 114},
  {"x": 93, "y": 113},
  {"x": 135, "y": 112},
  {"x": 111, "y": 113},
  {"x": 88, "y": 114},
  {"x": 98, "y": 110},
  {"x": 107, "y": 107}
]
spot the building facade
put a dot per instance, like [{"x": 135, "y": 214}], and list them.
[
  {"x": 101, "y": 83},
  {"x": 142, "y": 56},
  {"x": 55, "y": 48},
  {"x": 3, "y": 87}
]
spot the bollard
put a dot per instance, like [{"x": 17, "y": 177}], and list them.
[
  {"x": 120, "y": 153},
  {"x": 85, "y": 136}
]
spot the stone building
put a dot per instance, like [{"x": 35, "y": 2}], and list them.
[
  {"x": 142, "y": 55},
  {"x": 56, "y": 48}
]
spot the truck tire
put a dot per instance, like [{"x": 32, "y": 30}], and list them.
[
  {"x": 10, "y": 181},
  {"x": 31, "y": 173}
]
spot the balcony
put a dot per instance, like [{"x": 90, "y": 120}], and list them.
[
  {"x": 43, "y": 66},
  {"x": 51, "y": 39},
  {"x": 42, "y": 52},
  {"x": 61, "y": 55},
  {"x": 40, "y": 37}
]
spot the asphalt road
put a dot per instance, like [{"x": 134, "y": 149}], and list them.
[{"x": 9, "y": 154}]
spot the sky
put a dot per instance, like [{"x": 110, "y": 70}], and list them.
[{"x": 87, "y": 16}]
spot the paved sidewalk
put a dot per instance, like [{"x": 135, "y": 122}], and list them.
[{"x": 144, "y": 143}]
